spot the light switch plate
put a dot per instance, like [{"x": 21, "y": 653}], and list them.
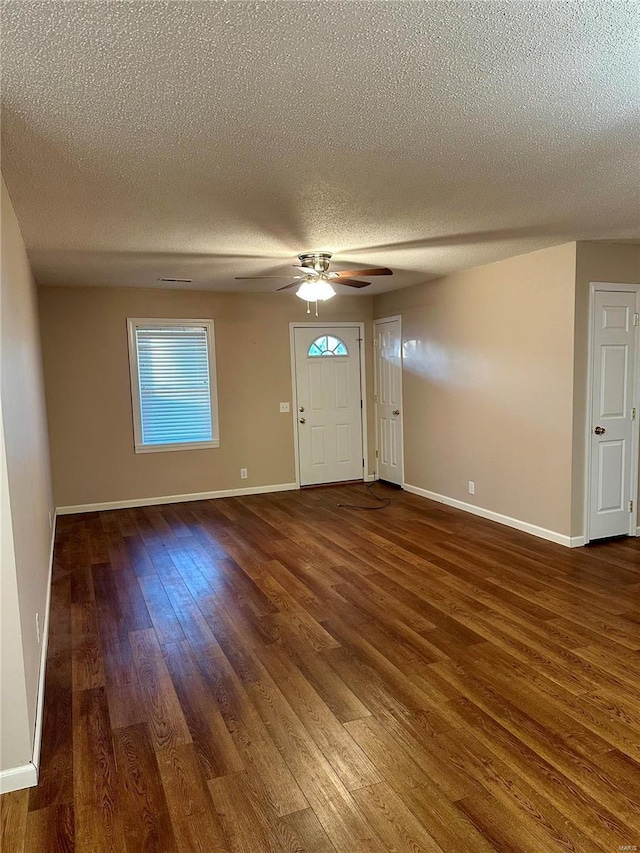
[{"x": 284, "y": 407}]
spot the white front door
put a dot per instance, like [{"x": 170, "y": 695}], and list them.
[
  {"x": 329, "y": 416},
  {"x": 388, "y": 364},
  {"x": 612, "y": 424}
]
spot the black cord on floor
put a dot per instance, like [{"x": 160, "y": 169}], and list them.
[{"x": 384, "y": 502}]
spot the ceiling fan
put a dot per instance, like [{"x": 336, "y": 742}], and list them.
[{"x": 315, "y": 284}]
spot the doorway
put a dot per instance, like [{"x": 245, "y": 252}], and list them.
[
  {"x": 613, "y": 402},
  {"x": 388, "y": 399},
  {"x": 328, "y": 381}
]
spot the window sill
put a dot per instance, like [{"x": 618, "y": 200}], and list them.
[{"x": 161, "y": 448}]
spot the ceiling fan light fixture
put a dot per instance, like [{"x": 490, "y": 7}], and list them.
[{"x": 315, "y": 290}]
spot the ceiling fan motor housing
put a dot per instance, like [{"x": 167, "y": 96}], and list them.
[{"x": 318, "y": 261}]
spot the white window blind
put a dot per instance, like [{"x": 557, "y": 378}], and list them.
[{"x": 173, "y": 384}]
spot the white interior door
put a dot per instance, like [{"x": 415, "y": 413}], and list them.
[
  {"x": 388, "y": 364},
  {"x": 612, "y": 416},
  {"x": 328, "y": 392}
]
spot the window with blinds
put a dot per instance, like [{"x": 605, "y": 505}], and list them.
[{"x": 173, "y": 384}]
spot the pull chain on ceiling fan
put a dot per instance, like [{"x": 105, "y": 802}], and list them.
[{"x": 316, "y": 282}]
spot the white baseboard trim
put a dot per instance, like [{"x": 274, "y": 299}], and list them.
[
  {"x": 369, "y": 478},
  {"x": 26, "y": 776},
  {"x": 37, "y": 735},
  {"x": 516, "y": 523},
  {"x": 638, "y": 530},
  {"x": 16, "y": 778},
  {"x": 174, "y": 499}
]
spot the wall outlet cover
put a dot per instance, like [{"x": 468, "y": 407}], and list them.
[{"x": 284, "y": 407}]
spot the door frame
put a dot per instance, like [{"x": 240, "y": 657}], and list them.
[
  {"x": 376, "y": 322},
  {"x": 327, "y": 324},
  {"x": 634, "y": 529}
]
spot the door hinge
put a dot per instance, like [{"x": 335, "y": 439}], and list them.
[
  {"x": 376, "y": 454},
  {"x": 633, "y": 413},
  {"x": 360, "y": 403},
  {"x": 375, "y": 398},
  {"x": 630, "y": 506},
  {"x": 636, "y": 319}
]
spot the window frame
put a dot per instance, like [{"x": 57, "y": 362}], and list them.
[{"x": 134, "y": 323}]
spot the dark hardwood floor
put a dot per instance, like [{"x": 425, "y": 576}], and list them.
[{"x": 274, "y": 673}]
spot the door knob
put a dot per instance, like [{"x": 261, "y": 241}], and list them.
[
  {"x": 301, "y": 409},
  {"x": 303, "y": 420},
  {"x": 396, "y": 411},
  {"x": 599, "y": 430}
]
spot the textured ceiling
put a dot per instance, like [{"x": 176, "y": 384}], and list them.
[{"x": 205, "y": 140}]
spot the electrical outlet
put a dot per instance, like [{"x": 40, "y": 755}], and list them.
[
  {"x": 243, "y": 474},
  {"x": 284, "y": 407},
  {"x": 38, "y": 626},
  {"x": 472, "y": 487}
]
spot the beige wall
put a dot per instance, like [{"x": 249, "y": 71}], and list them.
[
  {"x": 612, "y": 262},
  {"x": 15, "y": 734},
  {"x": 89, "y": 399},
  {"x": 488, "y": 385},
  {"x": 25, "y": 523}
]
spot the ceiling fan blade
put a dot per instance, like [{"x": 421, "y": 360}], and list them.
[
  {"x": 287, "y": 286},
  {"x": 367, "y": 273},
  {"x": 350, "y": 283},
  {"x": 247, "y": 277},
  {"x": 305, "y": 270}
]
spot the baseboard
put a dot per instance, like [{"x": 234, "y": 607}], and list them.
[
  {"x": 638, "y": 530},
  {"x": 16, "y": 778},
  {"x": 26, "y": 776},
  {"x": 174, "y": 499},
  {"x": 37, "y": 735},
  {"x": 369, "y": 478},
  {"x": 516, "y": 523}
]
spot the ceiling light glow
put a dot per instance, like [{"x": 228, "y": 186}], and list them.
[{"x": 315, "y": 290}]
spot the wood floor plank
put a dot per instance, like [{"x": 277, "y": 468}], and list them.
[
  {"x": 601, "y": 824},
  {"x": 406, "y": 761},
  {"x": 345, "y": 756},
  {"x": 163, "y": 616},
  {"x": 51, "y": 830},
  {"x": 553, "y": 745},
  {"x": 13, "y": 820},
  {"x": 127, "y": 705},
  {"x": 278, "y": 674},
  {"x": 196, "y": 827},
  {"x": 247, "y": 824},
  {"x": 252, "y": 740},
  {"x": 163, "y": 711},
  {"x": 99, "y": 819},
  {"x": 192, "y": 622},
  {"x": 302, "y": 832},
  {"x": 334, "y": 691},
  {"x": 212, "y": 742},
  {"x": 87, "y": 660},
  {"x": 336, "y": 810},
  {"x": 396, "y": 825},
  {"x": 418, "y": 789},
  {"x": 147, "y": 825},
  {"x": 512, "y": 795}
]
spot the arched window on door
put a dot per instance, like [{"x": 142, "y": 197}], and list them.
[{"x": 327, "y": 345}]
